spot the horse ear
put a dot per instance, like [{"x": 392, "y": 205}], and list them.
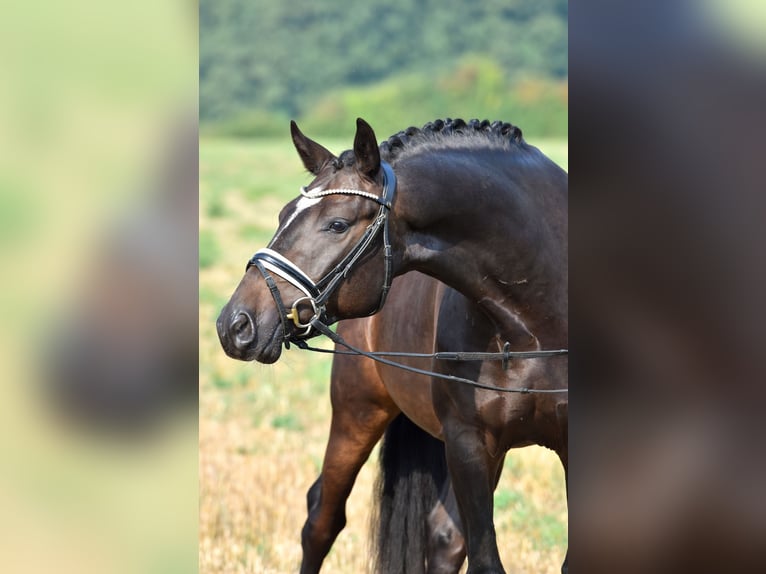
[
  {"x": 313, "y": 155},
  {"x": 366, "y": 149}
]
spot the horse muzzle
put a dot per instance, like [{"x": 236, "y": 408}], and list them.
[{"x": 239, "y": 333}]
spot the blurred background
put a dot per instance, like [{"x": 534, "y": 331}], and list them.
[
  {"x": 263, "y": 429},
  {"x": 667, "y": 279},
  {"x": 396, "y": 63},
  {"x": 98, "y": 210}
]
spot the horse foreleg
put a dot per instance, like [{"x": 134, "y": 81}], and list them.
[
  {"x": 446, "y": 545},
  {"x": 473, "y": 472},
  {"x": 353, "y": 433}
]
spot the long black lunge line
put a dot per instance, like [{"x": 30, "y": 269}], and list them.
[{"x": 459, "y": 356}]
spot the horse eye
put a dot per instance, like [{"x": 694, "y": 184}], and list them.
[{"x": 338, "y": 226}]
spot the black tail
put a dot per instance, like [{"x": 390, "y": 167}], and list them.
[{"x": 413, "y": 469}]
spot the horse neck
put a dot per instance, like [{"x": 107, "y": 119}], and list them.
[{"x": 499, "y": 237}]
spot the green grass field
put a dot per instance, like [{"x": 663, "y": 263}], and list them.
[{"x": 263, "y": 429}]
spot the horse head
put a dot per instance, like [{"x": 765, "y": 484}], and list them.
[{"x": 326, "y": 259}]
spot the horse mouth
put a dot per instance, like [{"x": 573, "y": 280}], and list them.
[
  {"x": 271, "y": 351},
  {"x": 267, "y": 352}
]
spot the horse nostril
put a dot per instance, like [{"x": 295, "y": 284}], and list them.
[{"x": 243, "y": 329}]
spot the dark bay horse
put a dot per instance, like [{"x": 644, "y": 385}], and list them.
[{"x": 474, "y": 206}]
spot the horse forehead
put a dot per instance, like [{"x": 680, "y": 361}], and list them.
[
  {"x": 345, "y": 178},
  {"x": 304, "y": 203},
  {"x": 301, "y": 205}
]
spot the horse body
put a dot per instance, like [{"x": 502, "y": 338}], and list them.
[
  {"x": 386, "y": 330},
  {"x": 499, "y": 238},
  {"x": 484, "y": 213}
]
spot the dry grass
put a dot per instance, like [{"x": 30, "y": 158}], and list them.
[{"x": 263, "y": 429}]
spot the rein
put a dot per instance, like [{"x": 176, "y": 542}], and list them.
[
  {"x": 505, "y": 356},
  {"x": 317, "y": 294}
]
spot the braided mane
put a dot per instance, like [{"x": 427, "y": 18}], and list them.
[{"x": 442, "y": 133}]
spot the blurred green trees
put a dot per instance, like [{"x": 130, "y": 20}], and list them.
[{"x": 396, "y": 63}]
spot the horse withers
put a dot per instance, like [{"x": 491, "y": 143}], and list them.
[{"x": 473, "y": 206}]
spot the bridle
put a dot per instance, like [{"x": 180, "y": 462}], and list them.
[{"x": 316, "y": 294}]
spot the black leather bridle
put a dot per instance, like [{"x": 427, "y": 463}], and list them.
[{"x": 316, "y": 294}]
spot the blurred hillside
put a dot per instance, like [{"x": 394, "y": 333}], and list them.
[{"x": 397, "y": 63}]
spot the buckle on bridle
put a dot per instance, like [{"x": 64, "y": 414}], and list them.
[{"x": 294, "y": 315}]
